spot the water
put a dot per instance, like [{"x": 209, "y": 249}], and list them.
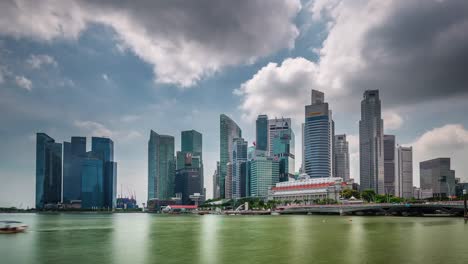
[{"x": 146, "y": 238}]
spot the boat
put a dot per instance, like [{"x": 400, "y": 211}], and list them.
[{"x": 12, "y": 227}]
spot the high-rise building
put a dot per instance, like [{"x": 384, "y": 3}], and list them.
[
  {"x": 341, "y": 166},
  {"x": 72, "y": 154},
  {"x": 229, "y": 130},
  {"x": 192, "y": 142},
  {"x": 48, "y": 171},
  {"x": 103, "y": 149},
  {"x": 303, "y": 149},
  {"x": 92, "y": 182},
  {"x": 228, "y": 181},
  {"x": 263, "y": 174},
  {"x": 390, "y": 170},
  {"x": 437, "y": 178},
  {"x": 371, "y": 155},
  {"x": 404, "y": 179},
  {"x": 161, "y": 166},
  {"x": 216, "y": 181},
  {"x": 275, "y": 127},
  {"x": 239, "y": 158},
  {"x": 283, "y": 151},
  {"x": 188, "y": 182},
  {"x": 318, "y": 137},
  {"x": 261, "y": 135}
]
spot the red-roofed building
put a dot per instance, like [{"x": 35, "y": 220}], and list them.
[{"x": 309, "y": 189}]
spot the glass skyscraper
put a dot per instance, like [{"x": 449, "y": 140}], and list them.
[
  {"x": 371, "y": 154},
  {"x": 390, "y": 164},
  {"x": 92, "y": 182},
  {"x": 341, "y": 159},
  {"x": 192, "y": 142},
  {"x": 261, "y": 135},
  {"x": 229, "y": 130},
  {"x": 103, "y": 148},
  {"x": 318, "y": 137},
  {"x": 275, "y": 127},
  {"x": 283, "y": 151},
  {"x": 239, "y": 158},
  {"x": 48, "y": 171},
  {"x": 73, "y": 153},
  {"x": 263, "y": 174},
  {"x": 161, "y": 166}
]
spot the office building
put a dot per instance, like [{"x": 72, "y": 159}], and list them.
[
  {"x": 341, "y": 153},
  {"x": 229, "y": 130},
  {"x": 228, "y": 181},
  {"x": 371, "y": 155},
  {"x": 73, "y": 152},
  {"x": 390, "y": 164},
  {"x": 161, "y": 166},
  {"x": 48, "y": 171},
  {"x": 92, "y": 182},
  {"x": 188, "y": 183},
  {"x": 283, "y": 148},
  {"x": 239, "y": 159},
  {"x": 404, "y": 178},
  {"x": 263, "y": 174},
  {"x": 261, "y": 135},
  {"x": 192, "y": 142},
  {"x": 275, "y": 127},
  {"x": 318, "y": 137},
  {"x": 437, "y": 178},
  {"x": 216, "y": 181}
]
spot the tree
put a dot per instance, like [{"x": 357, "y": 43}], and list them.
[
  {"x": 348, "y": 193},
  {"x": 368, "y": 195}
]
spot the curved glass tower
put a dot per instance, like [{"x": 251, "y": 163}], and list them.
[{"x": 229, "y": 130}]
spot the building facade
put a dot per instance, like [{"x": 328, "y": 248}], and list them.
[
  {"x": 275, "y": 127},
  {"x": 161, "y": 166},
  {"x": 404, "y": 180},
  {"x": 390, "y": 163},
  {"x": 261, "y": 135},
  {"x": 73, "y": 152},
  {"x": 371, "y": 155},
  {"x": 92, "y": 183},
  {"x": 437, "y": 177},
  {"x": 48, "y": 171},
  {"x": 239, "y": 159},
  {"x": 283, "y": 151},
  {"x": 318, "y": 138},
  {"x": 263, "y": 174},
  {"x": 229, "y": 130},
  {"x": 341, "y": 153}
]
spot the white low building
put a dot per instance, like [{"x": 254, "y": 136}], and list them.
[{"x": 309, "y": 189}]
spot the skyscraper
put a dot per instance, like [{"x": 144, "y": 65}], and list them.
[
  {"x": 103, "y": 149},
  {"x": 229, "y": 130},
  {"x": 318, "y": 137},
  {"x": 48, "y": 171},
  {"x": 261, "y": 136},
  {"x": 437, "y": 178},
  {"x": 341, "y": 167},
  {"x": 283, "y": 151},
  {"x": 72, "y": 154},
  {"x": 239, "y": 158},
  {"x": 161, "y": 166},
  {"x": 404, "y": 179},
  {"x": 228, "y": 181},
  {"x": 389, "y": 164},
  {"x": 371, "y": 155},
  {"x": 263, "y": 174},
  {"x": 275, "y": 127},
  {"x": 216, "y": 181},
  {"x": 192, "y": 142},
  {"x": 92, "y": 182}
]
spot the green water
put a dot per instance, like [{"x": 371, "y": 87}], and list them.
[{"x": 146, "y": 238}]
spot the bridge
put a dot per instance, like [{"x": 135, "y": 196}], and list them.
[{"x": 436, "y": 208}]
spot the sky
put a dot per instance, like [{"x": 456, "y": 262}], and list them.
[{"x": 120, "y": 68}]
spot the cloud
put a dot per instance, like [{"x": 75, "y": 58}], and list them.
[
  {"x": 36, "y": 61},
  {"x": 397, "y": 47},
  {"x": 105, "y": 77},
  {"x": 447, "y": 141},
  {"x": 183, "y": 41},
  {"x": 23, "y": 82},
  {"x": 94, "y": 128},
  {"x": 393, "y": 120}
]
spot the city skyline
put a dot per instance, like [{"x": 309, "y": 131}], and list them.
[{"x": 93, "y": 75}]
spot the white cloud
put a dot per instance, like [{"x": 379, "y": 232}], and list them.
[
  {"x": 105, "y": 77},
  {"x": 94, "y": 128},
  {"x": 23, "y": 82},
  {"x": 36, "y": 61},
  {"x": 392, "y": 120},
  {"x": 447, "y": 141},
  {"x": 183, "y": 41}
]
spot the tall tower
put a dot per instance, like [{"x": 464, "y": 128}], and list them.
[
  {"x": 390, "y": 164},
  {"x": 261, "y": 135},
  {"x": 229, "y": 130},
  {"x": 48, "y": 171},
  {"x": 404, "y": 179},
  {"x": 318, "y": 137},
  {"x": 371, "y": 155},
  {"x": 275, "y": 128},
  {"x": 239, "y": 159},
  {"x": 341, "y": 166},
  {"x": 161, "y": 166}
]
